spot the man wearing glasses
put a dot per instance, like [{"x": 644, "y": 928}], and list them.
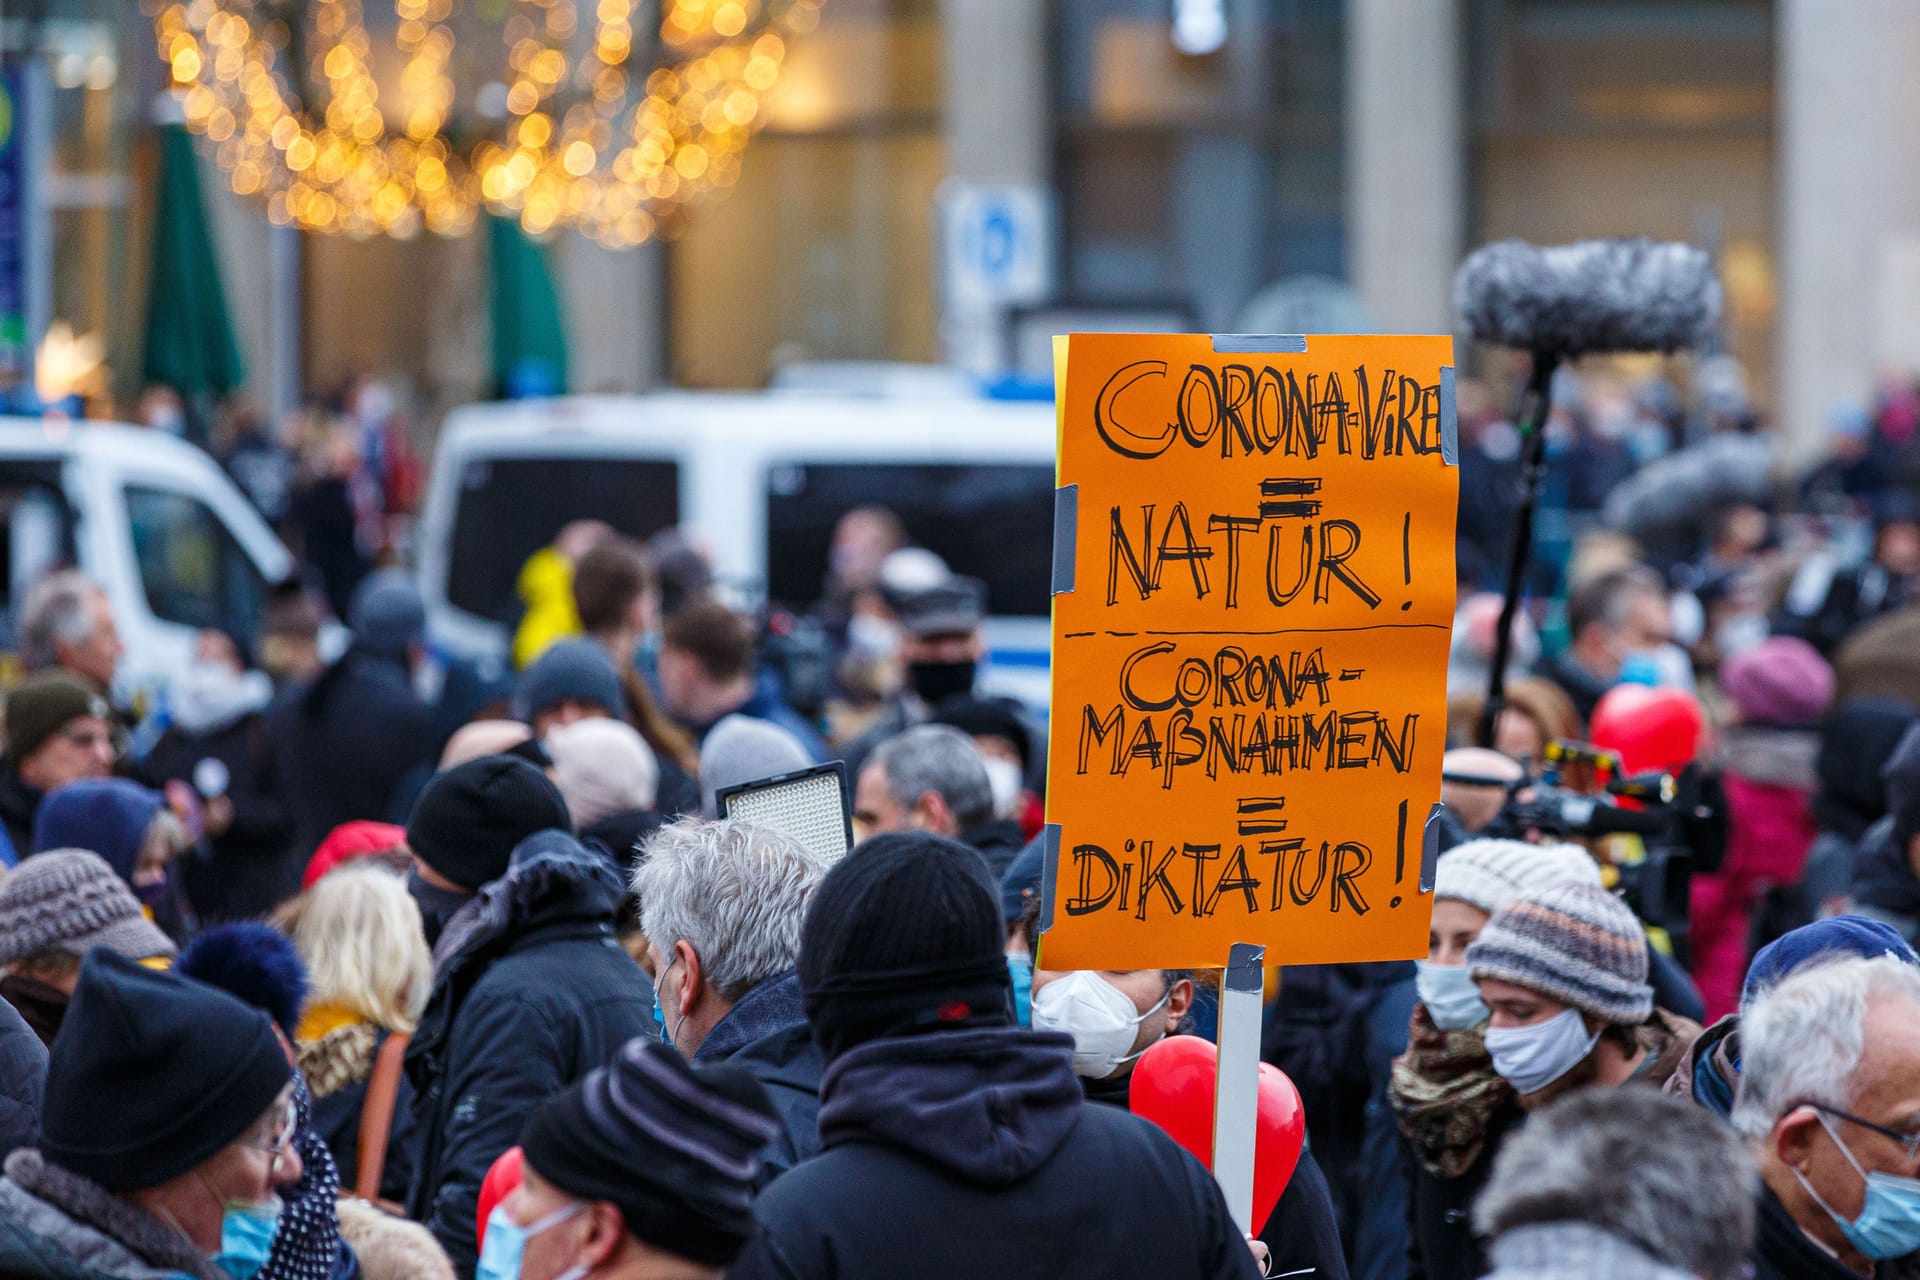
[
  {"x": 166, "y": 1131},
  {"x": 57, "y": 731},
  {"x": 1830, "y": 1099}
]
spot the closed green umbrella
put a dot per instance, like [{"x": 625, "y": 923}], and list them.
[
  {"x": 190, "y": 344},
  {"x": 529, "y": 340}
]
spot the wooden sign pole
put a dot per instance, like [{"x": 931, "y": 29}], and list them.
[{"x": 1236, "y": 1095}]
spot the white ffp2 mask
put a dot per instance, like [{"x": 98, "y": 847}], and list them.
[{"x": 1099, "y": 1017}]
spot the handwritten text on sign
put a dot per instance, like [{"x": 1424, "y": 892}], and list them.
[{"x": 1249, "y": 670}]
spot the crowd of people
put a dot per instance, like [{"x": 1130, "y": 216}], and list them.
[{"x": 350, "y": 963}]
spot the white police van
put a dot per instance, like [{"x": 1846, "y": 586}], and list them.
[
  {"x": 759, "y": 480},
  {"x": 154, "y": 520}
]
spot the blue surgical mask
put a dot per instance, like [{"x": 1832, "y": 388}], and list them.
[
  {"x": 507, "y": 1240},
  {"x": 1020, "y": 967},
  {"x": 1531, "y": 1058},
  {"x": 1889, "y": 1221},
  {"x": 659, "y": 1014},
  {"x": 1452, "y": 998},
  {"x": 247, "y": 1233}
]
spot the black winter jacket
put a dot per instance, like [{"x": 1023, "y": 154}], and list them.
[
  {"x": 1782, "y": 1251},
  {"x": 1300, "y": 1233},
  {"x": 531, "y": 992},
  {"x": 23, "y": 1075},
  {"x": 252, "y": 868},
  {"x": 1441, "y": 1243},
  {"x": 19, "y": 806},
  {"x": 351, "y": 737},
  {"x": 971, "y": 1153},
  {"x": 766, "y": 1034}
]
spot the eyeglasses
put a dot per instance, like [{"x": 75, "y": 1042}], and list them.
[
  {"x": 283, "y": 1127},
  {"x": 1909, "y": 1142}
]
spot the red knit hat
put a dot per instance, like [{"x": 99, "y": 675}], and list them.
[{"x": 352, "y": 840}]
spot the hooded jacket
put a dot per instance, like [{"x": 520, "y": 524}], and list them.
[
  {"x": 531, "y": 991},
  {"x": 971, "y": 1153},
  {"x": 1709, "y": 1073},
  {"x": 55, "y": 1225}
]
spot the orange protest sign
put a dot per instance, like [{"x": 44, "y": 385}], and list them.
[{"x": 1254, "y": 586}]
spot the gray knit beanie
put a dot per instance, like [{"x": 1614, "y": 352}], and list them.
[
  {"x": 70, "y": 900},
  {"x": 745, "y": 749},
  {"x": 1489, "y": 874},
  {"x": 1575, "y": 943}
]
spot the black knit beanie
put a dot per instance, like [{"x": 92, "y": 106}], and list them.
[
  {"x": 904, "y": 935},
  {"x": 153, "y": 1073},
  {"x": 468, "y": 820},
  {"x": 676, "y": 1147}
]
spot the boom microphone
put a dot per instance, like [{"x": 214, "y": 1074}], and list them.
[
  {"x": 1572, "y": 300},
  {"x": 1597, "y": 295}
]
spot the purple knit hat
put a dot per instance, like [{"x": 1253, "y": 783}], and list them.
[{"x": 1782, "y": 681}]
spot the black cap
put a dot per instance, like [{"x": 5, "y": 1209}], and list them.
[
  {"x": 987, "y": 718},
  {"x": 903, "y": 935},
  {"x": 675, "y": 1147},
  {"x": 468, "y": 820},
  {"x": 153, "y": 1073},
  {"x": 954, "y": 607}
]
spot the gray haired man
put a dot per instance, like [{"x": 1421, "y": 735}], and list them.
[
  {"x": 720, "y": 906},
  {"x": 66, "y": 622},
  {"x": 931, "y": 778},
  {"x": 1830, "y": 1099},
  {"x": 1619, "y": 1184}
]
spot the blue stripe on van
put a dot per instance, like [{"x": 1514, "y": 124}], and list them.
[{"x": 1037, "y": 659}]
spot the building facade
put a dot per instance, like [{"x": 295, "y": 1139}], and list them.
[{"x": 1188, "y": 156}]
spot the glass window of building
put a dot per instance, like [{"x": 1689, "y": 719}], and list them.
[
  {"x": 824, "y": 249},
  {"x": 1199, "y": 148},
  {"x": 1600, "y": 118}
]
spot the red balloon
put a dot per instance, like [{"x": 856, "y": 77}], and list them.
[
  {"x": 1173, "y": 1086},
  {"x": 501, "y": 1181},
  {"x": 1650, "y": 729}
]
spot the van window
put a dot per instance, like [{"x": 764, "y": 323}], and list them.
[
  {"x": 192, "y": 571},
  {"x": 509, "y": 508},
  {"x": 36, "y": 533},
  {"x": 993, "y": 521}
]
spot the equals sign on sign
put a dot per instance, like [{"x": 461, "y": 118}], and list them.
[
  {"x": 1282, "y": 498},
  {"x": 1260, "y": 815}
]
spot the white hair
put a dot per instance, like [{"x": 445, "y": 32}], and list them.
[
  {"x": 1801, "y": 1041},
  {"x": 58, "y": 610},
  {"x": 734, "y": 890}
]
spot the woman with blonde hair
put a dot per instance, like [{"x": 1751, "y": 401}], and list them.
[{"x": 369, "y": 974}]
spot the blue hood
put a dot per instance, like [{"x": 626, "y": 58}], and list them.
[
  {"x": 990, "y": 1105},
  {"x": 109, "y": 817}
]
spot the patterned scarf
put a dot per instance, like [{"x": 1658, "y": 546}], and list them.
[
  {"x": 307, "y": 1245},
  {"x": 1445, "y": 1091}
]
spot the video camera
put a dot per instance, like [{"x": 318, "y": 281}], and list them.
[{"x": 1577, "y": 797}]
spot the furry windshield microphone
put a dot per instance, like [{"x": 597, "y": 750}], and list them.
[{"x": 1597, "y": 295}]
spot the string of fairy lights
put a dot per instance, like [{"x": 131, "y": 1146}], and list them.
[{"x": 601, "y": 128}]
